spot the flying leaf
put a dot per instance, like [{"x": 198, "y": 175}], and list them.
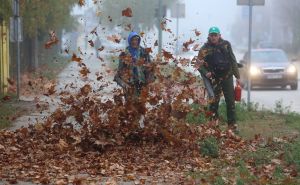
[
  {"x": 148, "y": 50},
  {"x": 142, "y": 34},
  {"x": 84, "y": 71},
  {"x": 167, "y": 55},
  {"x": 100, "y": 58},
  {"x": 127, "y": 12},
  {"x": 128, "y": 27},
  {"x": 101, "y": 48},
  {"x": 75, "y": 58},
  {"x": 81, "y": 2},
  {"x": 52, "y": 40},
  {"x": 91, "y": 43},
  {"x": 94, "y": 31},
  {"x": 86, "y": 89},
  {"x": 114, "y": 38},
  {"x": 197, "y": 33},
  {"x": 186, "y": 44}
]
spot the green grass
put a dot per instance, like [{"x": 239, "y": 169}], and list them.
[
  {"x": 7, "y": 111},
  {"x": 209, "y": 147},
  {"x": 292, "y": 154},
  {"x": 278, "y": 123}
]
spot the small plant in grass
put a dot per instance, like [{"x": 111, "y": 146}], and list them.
[
  {"x": 196, "y": 116},
  {"x": 240, "y": 181},
  {"x": 278, "y": 173},
  {"x": 292, "y": 154},
  {"x": 292, "y": 117},
  {"x": 244, "y": 176},
  {"x": 280, "y": 108},
  {"x": 209, "y": 147},
  {"x": 241, "y": 108},
  {"x": 219, "y": 181},
  {"x": 260, "y": 157}
]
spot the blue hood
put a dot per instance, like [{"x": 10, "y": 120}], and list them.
[
  {"x": 131, "y": 35},
  {"x": 133, "y": 51}
]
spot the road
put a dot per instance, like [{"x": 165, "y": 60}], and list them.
[{"x": 267, "y": 98}]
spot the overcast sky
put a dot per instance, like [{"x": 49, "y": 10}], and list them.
[{"x": 202, "y": 14}]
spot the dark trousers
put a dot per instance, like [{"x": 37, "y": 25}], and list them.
[{"x": 226, "y": 86}]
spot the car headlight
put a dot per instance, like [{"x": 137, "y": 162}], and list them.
[
  {"x": 291, "y": 69},
  {"x": 254, "y": 71}
]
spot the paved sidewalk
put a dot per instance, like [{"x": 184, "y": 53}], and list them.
[{"x": 70, "y": 75}]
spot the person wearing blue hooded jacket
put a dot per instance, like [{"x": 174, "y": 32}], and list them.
[{"x": 134, "y": 70}]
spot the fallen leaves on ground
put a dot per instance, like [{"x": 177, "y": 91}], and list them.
[{"x": 87, "y": 138}]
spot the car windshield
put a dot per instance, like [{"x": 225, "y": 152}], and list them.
[{"x": 269, "y": 56}]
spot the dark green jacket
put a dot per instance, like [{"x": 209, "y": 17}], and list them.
[{"x": 206, "y": 52}]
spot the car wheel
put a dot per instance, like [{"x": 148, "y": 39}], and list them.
[{"x": 294, "y": 86}]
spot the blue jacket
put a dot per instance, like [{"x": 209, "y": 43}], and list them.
[{"x": 133, "y": 68}]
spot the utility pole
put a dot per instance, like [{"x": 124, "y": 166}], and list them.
[
  {"x": 249, "y": 56},
  {"x": 178, "y": 11},
  {"x": 177, "y": 30},
  {"x": 17, "y": 37},
  {"x": 159, "y": 19},
  {"x": 250, "y": 4}
]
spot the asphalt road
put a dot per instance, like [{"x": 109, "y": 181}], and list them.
[{"x": 268, "y": 97}]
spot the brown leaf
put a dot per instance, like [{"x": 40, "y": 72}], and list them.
[
  {"x": 196, "y": 47},
  {"x": 91, "y": 43},
  {"x": 101, "y": 48},
  {"x": 85, "y": 90},
  {"x": 51, "y": 90},
  {"x": 167, "y": 55},
  {"x": 62, "y": 144},
  {"x": 101, "y": 59},
  {"x": 148, "y": 50},
  {"x": 142, "y": 34},
  {"x": 186, "y": 44},
  {"x": 84, "y": 71},
  {"x": 52, "y": 40},
  {"x": 81, "y": 2},
  {"x": 6, "y": 98},
  {"x": 94, "y": 31},
  {"x": 99, "y": 78},
  {"x": 197, "y": 33},
  {"x": 127, "y": 12},
  {"x": 75, "y": 58},
  {"x": 128, "y": 27},
  {"x": 114, "y": 38}
]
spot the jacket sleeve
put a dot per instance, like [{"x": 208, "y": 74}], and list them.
[
  {"x": 203, "y": 69},
  {"x": 235, "y": 69},
  {"x": 118, "y": 76}
]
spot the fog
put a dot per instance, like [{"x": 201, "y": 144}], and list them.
[{"x": 202, "y": 14}]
